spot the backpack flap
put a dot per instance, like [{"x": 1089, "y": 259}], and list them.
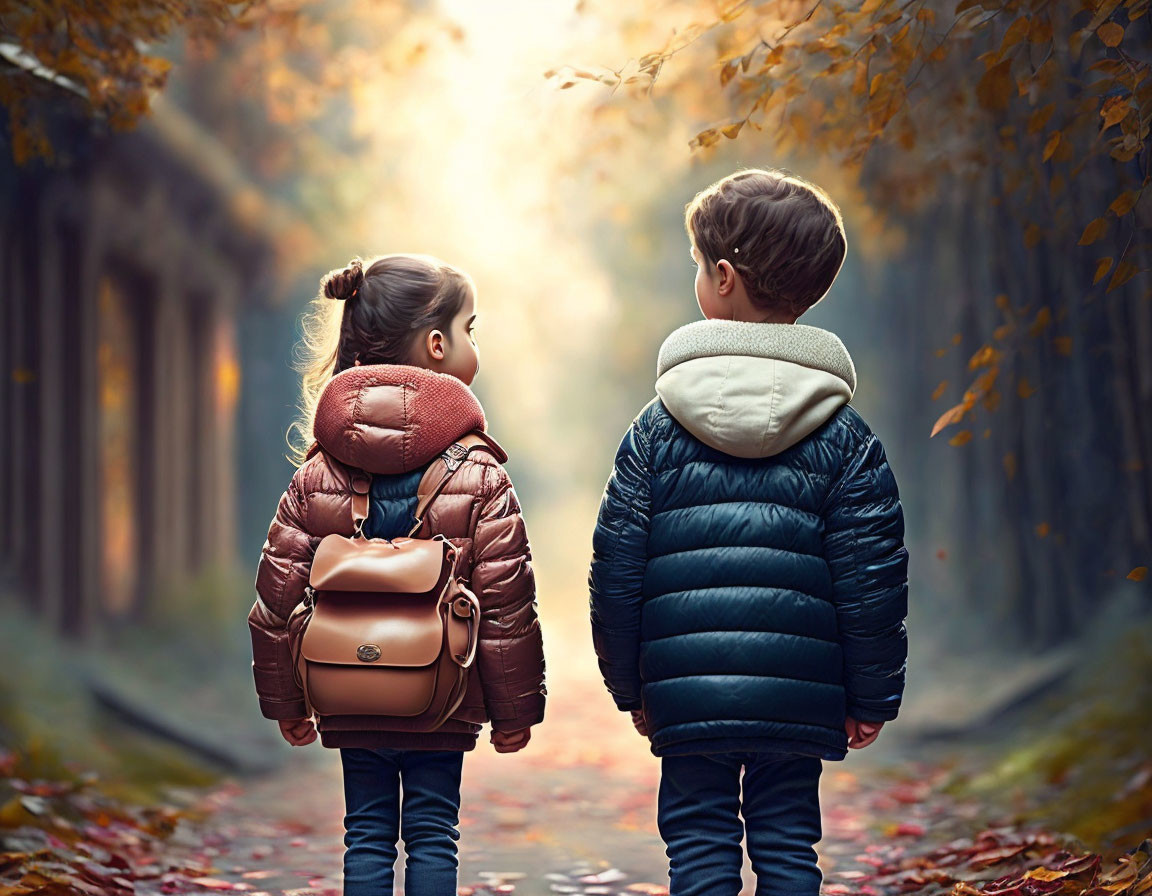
[
  {"x": 369, "y": 629},
  {"x": 405, "y": 565}
]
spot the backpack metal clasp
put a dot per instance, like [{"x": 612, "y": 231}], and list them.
[{"x": 453, "y": 455}]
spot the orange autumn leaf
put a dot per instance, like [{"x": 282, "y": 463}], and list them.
[
  {"x": 1138, "y": 574},
  {"x": 996, "y": 87},
  {"x": 1103, "y": 266},
  {"x": 1123, "y": 203},
  {"x": 1111, "y": 34},
  {"x": 1042, "y": 320},
  {"x": 1045, "y": 874},
  {"x": 1114, "y": 111},
  {"x": 1094, "y": 231},
  {"x": 1015, "y": 33},
  {"x": 984, "y": 356},
  {"x": 950, "y": 416},
  {"x": 961, "y": 438},
  {"x": 1125, "y": 271}
]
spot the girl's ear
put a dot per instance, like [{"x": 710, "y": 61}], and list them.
[{"x": 435, "y": 344}]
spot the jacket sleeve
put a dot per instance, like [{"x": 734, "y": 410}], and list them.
[
  {"x": 285, "y": 562},
  {"x": 864, "y": 548},
  {"x": 616, "y": 573},
  {"x": 510, "y": 652}
]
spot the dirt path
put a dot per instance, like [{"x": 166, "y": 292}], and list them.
[{"x": 575, "y": 812}]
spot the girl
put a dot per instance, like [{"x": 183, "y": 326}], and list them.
[{"x": 390, "y": 355}]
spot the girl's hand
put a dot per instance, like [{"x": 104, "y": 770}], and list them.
[
  {"x": 511, "y": 741},
  {"x": 639, "y": 721},
  {"x": 298, "y": 732},
  {"x": 860, "y": 734}
]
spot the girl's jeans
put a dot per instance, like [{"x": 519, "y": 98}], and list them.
[
  {"x": 700, "y": 805},
  {"x": 425, "y": 819}
]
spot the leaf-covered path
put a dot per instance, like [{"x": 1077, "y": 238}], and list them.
[{"x": 574, "y": 813}]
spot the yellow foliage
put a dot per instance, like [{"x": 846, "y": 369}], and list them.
[{"x": 104, "y": 52}]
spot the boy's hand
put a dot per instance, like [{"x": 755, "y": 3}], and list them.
[
  {"x": 298, "y": 732},
  {"x": 860, "y": 734},
  {"x": 511, "y": 741},
  {"x": 639, "y": 721}
]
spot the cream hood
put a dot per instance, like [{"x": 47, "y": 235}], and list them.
[{"x": 753, "y": 389}]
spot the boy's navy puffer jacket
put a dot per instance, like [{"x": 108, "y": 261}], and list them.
[{"x": 749, "y": 576}]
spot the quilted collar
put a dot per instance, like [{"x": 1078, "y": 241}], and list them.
[{"x": 393, "y": 418}]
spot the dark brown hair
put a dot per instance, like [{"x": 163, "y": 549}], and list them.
[
  {"x": 789, "y": 233},
  {"x": 379, "y": 312}
]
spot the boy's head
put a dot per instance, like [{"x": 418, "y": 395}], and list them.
[{"x": 768, "y": 244}]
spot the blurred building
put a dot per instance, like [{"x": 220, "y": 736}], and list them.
[{"x": 123, "y": 267}]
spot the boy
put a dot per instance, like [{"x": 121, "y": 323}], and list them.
[{"x": 749, "y": 577}]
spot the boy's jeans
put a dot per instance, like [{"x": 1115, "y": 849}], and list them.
[
  {"x": 375, "y": 819},
  {"x": 699, "y": 818}
]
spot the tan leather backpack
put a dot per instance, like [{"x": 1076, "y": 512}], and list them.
[{"x": 386, "y": 628}]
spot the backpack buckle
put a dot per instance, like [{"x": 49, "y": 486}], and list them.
[{"x": 454, "y": 455}]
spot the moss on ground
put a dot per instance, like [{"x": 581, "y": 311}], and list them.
[
  {"x": 1080, "y": 760},
  {"x": 56, "y": 731}
]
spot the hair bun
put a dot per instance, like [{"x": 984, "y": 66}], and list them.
[{"x": 343, "y": 284}]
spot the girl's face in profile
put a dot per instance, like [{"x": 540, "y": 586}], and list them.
[{"x": 454, "y": 352}]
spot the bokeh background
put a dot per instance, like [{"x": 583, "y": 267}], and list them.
[{"x": 177, "y": 177}]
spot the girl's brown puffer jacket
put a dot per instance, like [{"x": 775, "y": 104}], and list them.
[{"x": 389, "y": 419}]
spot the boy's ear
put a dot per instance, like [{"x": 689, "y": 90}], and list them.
[{"x": 727, "y": 275}]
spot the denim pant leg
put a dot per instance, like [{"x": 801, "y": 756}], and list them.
[
  {"x": 371, "y": 820},
  {"x": 698, "y": 816},
  {"x": 429, "y": 818},
  {"x": 781, "y": 807}
]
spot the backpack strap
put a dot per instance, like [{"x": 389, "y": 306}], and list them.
[
  {"x": 445, "y": 466},
  {"x": 361, "y": 482}
]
